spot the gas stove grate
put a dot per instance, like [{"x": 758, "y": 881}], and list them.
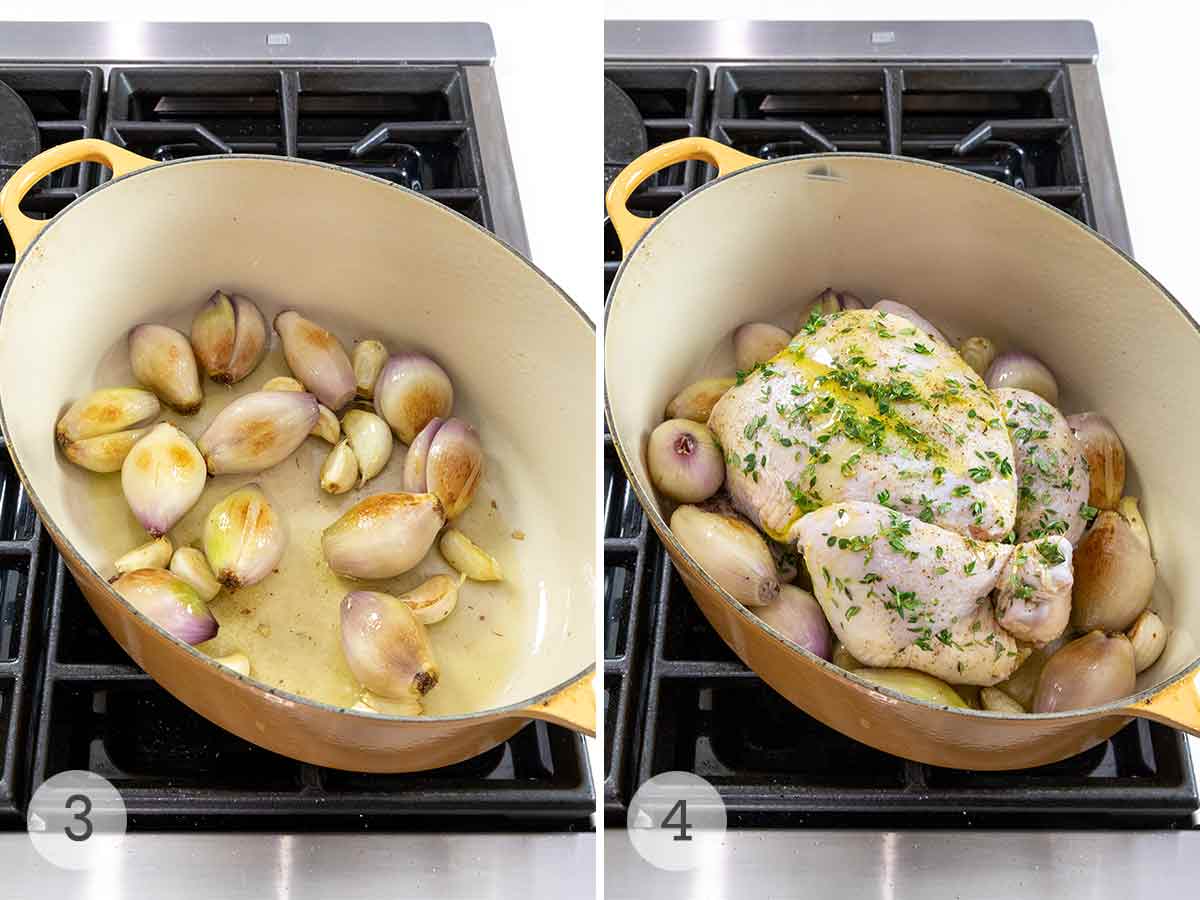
[
  {"x": 98, "y": 711},
  {"x": 410, "y": 125},
  {"x": 22, "y": 576},
  {"x": 66, "y": 104},
  {"x": 672, "y": 101},
  {"x": 1013, "y": 124},
  {"x": 676, "y": 697}
]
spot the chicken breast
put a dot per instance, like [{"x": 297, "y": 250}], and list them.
[
  {"x": 899, "y": 592},
  {"x": 1033, "y": 595},
  {"x": 864, "y": 406},
  {"x": 1052, "y": 472}
]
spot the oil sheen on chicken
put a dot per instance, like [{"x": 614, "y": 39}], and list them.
[{"x": 863, "y": 406}]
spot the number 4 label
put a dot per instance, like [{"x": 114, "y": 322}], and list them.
[{"x": 683, "y": 825}]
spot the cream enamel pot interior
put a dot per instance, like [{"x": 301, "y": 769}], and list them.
[
  {"x": 974, "y": 257},
  {"x": 366, "y": 259}
]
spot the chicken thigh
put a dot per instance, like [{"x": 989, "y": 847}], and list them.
[
  {"x": 863, "y": 406},
  {"x": 899, "y": 592}
]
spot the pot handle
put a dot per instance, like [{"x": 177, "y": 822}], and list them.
[
  {"x": 629, "y": 227},
  {"x": 573, "y": 707},
  {"x": 1177, "y": 706},
  {"x": 23, "y": 229}
]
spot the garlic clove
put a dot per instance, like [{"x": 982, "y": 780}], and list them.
[
  {"x": 907, "y": 312},
  {"x": 1127, "y": 509},
  {"x": 283, "y": 383},
  {"x": 383, "y": 535},
  {"x": 686, "y": 463},
  {"x": 826, "y": 302},
  {"x": 162, "y": 478},
  {"x": 327, "y": 428},
  {"x": 316, "y": 358},
  {"x": 732, "y": 552},
  {"x": 455, "y": 466},
  {"x": 214, "y": 331},
  {"x": 917, "y": 685},
  {"x": 1105, "y": 455},
  {"x": 1021, "y": 370},
  {"x": 339, "y": 472},
  {"x": 251, "y": 343},
  {"x": 105, "y": 412},
  {"x": 368, "y": 359},
  {"x": 162, "y": 360},
  {"x": 371, "y": 440},
  {"x": 169, "y": 602},
  {"x": 412, "y": 389},
  {"x": 154, "y": 555},
  {"x": 386, "y": 647},
  {"x": 104, "y": 453},
  {"x": 978, "y": 353},
  {"x": 756, "y": 342},
  {"x": 191, "y": 565},
  {"x": 257, "y": 431},
  {"x": 414, "y": 476},
  {"x": 237, "y": 661},
  {"x": 434, "y": 599},
  {"x": 696, "y": 401},
  {"x": 995, "y": 700},
  {"x": 1089, "y": 671},
  {"x": 1114, "y": 576},
  {"x": 468, "y": 557},
  {"x": 1149, "y": 638},
  {"x": 244, "y": 539},
  {"x": 386, "y": 706}
]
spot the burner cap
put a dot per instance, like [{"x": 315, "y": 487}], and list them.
[
  {"x": 19, "y": 139},
  {"x": 624, "y": 132}
]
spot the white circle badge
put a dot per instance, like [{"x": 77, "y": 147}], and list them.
[
  {"x": 676, "y": 820},
  {"x": 76, "y": 819}
]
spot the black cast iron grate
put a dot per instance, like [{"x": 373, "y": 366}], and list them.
[
  {"x": 90, "y": 706},
  {"x": 1011, "y": 123},
  {"x": 671, "y": 100},
  {"x": 22, "y": 577},
  {"x": 676, "y": 697},
  {"x": 66, "y": 104},
  {"x": 407, "y": 124},
  {"x": 65, "y": 101}
]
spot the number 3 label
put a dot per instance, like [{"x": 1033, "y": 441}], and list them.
[
  {"x": 82, "y": 816},
  {"x": 76, "y": 819}
]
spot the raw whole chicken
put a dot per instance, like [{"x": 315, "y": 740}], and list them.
[{"x": 887, "y": 461}]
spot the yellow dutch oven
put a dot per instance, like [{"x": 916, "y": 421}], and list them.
[{"x": 365, "y": 258}]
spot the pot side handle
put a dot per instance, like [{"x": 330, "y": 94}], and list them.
[
  {"x": 23, "y": 229},
  {"x": 1177, "y": 706},
  {"x": 573, "y": 707},
  {"x": 629, "y": 227}
]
